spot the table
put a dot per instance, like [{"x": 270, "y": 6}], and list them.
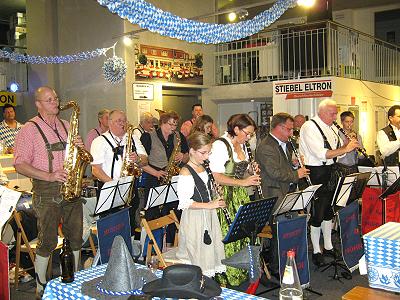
[
  {"x": 55, "y": 289},
  {"x": 363, "y": 293}
]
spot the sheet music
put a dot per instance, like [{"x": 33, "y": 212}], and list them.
[
  {"x": 376, "y": 174},
  {"x": 114, "y": 194},
  {"x": 345, "y": 190},
  {"x": 308, "y": 193},
  {"x": 163, "y": 194},
  {"x": 8, "y": 202}
]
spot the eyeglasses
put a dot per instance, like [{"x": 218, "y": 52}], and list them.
[
  {"x": 204, "y": 152},
  {"x": 248, "y": 134},
  {"x": 49, "y": 100},
  {"x": 172, "y": 124},
  {"x": 287, "y": 128}
]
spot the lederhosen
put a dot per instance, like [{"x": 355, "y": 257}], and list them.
[
  {"x": 321, "y": 209},
  {"x": 42, "y": 187},
  {"x": 392, "y": 159}
]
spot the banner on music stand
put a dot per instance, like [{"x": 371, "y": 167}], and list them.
[
  {"x": 292, "y": 235},
  {"x": 352, "y": 246},
  {"x": 371, "y": 213},
  {"x": 108, "y": 228},
  {"x": 4, "y": 279}
]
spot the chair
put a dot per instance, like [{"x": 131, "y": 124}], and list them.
[
  {"x": 29, "y": 247},
  {"x": 171, "y": 218}
]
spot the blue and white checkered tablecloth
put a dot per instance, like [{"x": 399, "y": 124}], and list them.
[{"x": 55, "y": 289}]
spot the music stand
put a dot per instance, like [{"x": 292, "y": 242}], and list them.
[
  {"x": 376, "y": 178},
  {"x": 340, "y": 198},
  {"x": 392, "y": 189},
  {"x": 113, "y": 195}
]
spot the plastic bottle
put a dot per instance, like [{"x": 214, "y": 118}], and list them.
[
  {"x": 67, "y": 263},
  {"x": 290, "y": 286}
]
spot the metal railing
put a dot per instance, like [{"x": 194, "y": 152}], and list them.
[
  {"x": 307, "y": 50},
  {"x": 13, "y": 72}
]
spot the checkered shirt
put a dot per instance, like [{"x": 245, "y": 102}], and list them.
[{"x": 7, "y": 134}]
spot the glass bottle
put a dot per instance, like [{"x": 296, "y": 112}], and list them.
[
  {"x": 67, "y": 262},
  {"x": 290, "y": 285}
]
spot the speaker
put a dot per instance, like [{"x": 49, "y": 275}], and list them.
[{"x": 322, "y": 10}]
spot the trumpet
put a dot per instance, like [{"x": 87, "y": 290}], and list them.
[
  {"x": 216, "y": 187},
  {"x": 360, "y": 150},
  {"x": 296, "y": 153}
]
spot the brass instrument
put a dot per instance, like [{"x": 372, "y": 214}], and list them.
[
  {"x": 252, "y": 161},
  {"x": 172, "y": 168},
  {"x": 360, "y": 150},
  {"x": 76, "y": 158},
  {"x": 129, "y": 168},
  {"x": 296, "y": 153},
  {"x": 217, "y": 190}
]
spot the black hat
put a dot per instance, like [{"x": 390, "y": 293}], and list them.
[{"x": 183, "y": 281}]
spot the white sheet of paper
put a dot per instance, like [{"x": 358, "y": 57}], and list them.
[
  {"x": 308, "y": 193},
  {"x": 393, "y": 174},
  {"x": 158, "y": 195},
  {"x": 362, "y": 266},
  {"x": 8, "y": 202},
  {"x": 345, "y": 191},
  {"x": 108, "y": 191}
]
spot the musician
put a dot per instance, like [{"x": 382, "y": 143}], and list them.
[
  {"x": 318, "y": 159},
  {"x": 162, "y": 148},
  {"x": 229, "y": 164},
  {"x": 388, "y": 138},
  {"x": 9, "y": 128},
  {"x": 299, "y": 120},
  {"x": 102, "y": 118},
  {"x": 204, "y": 124},
  {"x": 199, "y": 217},
  {"x": 39, "y": 154},
  {"x": 145, "y": 124},
  {"x": 197, "y": 111},
  {"x": 351, "y": 158},
  {"x": 108, "y": 152}
]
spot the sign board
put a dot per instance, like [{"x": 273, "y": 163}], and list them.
[
  {"x": 143, "y": 91},
  {"x": 4, "y": 279},
  {"x": 303, "y": 88},
  {"x": 8, "y": 98}
]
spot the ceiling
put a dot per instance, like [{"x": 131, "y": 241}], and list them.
[{"x": 9, "y": 7}]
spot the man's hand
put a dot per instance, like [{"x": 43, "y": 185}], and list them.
[
  {"x": 133, "y": 156},
  {"x": 353, "y": 144},
  {"x": 60, "y": 176},
  {"x": 303, "y": 172},
  {"x": 161, "y": 173},
  {"x": 78, "y": 142},
  {"x": 179, "y": 157}
]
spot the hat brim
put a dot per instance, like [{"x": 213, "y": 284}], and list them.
[{"x": 159, "y": 288}]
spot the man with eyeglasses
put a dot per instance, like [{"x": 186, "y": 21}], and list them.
[
  {"x": 279, "y": 172},
  {"x": 39, "y": 154},
  {"x": 321, "y": 146}
]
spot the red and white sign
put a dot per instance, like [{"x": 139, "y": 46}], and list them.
[
  {"x": 4, "y": 280},
  {"x": 303, "y": 88}
]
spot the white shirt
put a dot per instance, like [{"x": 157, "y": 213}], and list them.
[
  {"x": 385, "y": 146},
  {"x": 220, "y": 155},
  {"x": 185, "y": 189},
  {"x": 312, "y": 143},
  {"x": 103, "y": 155}
]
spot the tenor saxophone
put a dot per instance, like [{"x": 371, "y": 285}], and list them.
[
  {"x": 76, "y": 158},
  {"x": 129, "y": 168},
  {"x": 172, "y": 168}
]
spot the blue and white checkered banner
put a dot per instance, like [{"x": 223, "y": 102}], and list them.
[
  {"x": 147, "y": 16},
  {"x": 350, "y": 236},
  {"x": 292, "y": 235}
]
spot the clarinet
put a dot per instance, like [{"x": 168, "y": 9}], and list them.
[
  {"x": 215, "y": 187},
  {"x": 251, "y": 159},
  {"x": 361, "y": 150},
  {"x": 296, "y": 153}
]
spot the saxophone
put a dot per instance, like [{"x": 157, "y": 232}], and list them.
[
  {"x": 172, "y": 168},
  {"x": 76, "y": 158},
  {"x": 129, "y": 168}
]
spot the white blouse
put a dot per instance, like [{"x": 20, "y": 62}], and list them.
[{"x": 185, "y": 189}]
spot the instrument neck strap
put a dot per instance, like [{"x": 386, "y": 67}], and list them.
[{"x": 115, "y": 156}]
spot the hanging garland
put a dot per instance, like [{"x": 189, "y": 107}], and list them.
[
  {"x": 165, "y": 23},
  {"x": 32, "y": 59}
]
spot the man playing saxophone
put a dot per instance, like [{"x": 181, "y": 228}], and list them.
[
  {"x": 108, "y": 154},
  {"x": 166, "y": 148},
  {"x": 39, "y": 150}
]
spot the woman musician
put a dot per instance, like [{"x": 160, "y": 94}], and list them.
[
  {"x": 200, "y": 237},
  {"x": 229, "y": 163}
]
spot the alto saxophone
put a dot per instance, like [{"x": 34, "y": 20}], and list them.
[
  {"x": 129, "y": 168},
  {"x": 76, "y": 158},
  {"x": 172, "y": 168}
]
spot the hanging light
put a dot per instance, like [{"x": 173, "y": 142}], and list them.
[
  {"x": 306, "y": 3},
  {"x": 13, "y": 86},
  {"x": 127, "y": 40},
  {"x": 232, "y": 16}
]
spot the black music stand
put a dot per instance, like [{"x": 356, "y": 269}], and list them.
[
  {"x": 113, "y": 195},
  {"x": 348, "y": 189},
  {"x": 392, "y": 189}
]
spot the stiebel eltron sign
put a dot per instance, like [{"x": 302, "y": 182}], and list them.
[{"x": 306, "y": 88}]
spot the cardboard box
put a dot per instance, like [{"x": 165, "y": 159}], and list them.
[{"x": 382, "y": 252}]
